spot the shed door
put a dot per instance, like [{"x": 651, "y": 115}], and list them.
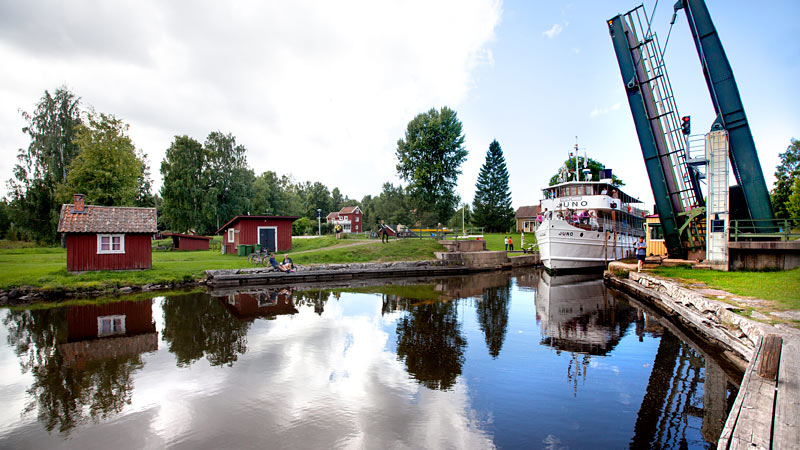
[{"x": 266, "y": 237}]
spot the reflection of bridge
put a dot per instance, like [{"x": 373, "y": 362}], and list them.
[{"x": 683, "y": 363}]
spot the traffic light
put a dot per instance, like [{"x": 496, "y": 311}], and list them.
[{"x": 686, "y": 125}]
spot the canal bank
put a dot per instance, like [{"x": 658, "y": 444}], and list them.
[
  {"x": 765, "y": 413},
  {"x": 448, "y": 263}
]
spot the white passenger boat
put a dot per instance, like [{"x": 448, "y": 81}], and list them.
[{"x": 586, "y": 224}]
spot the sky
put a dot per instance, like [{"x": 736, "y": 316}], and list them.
[{"x": 323, "y": 90}]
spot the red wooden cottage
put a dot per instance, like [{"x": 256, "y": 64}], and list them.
[
  {"x": 349, "y": 217},
  {"x": 188, "y": 241},
  {"x": 107, "y": 237},
  {"x": 272, "y": 232}
]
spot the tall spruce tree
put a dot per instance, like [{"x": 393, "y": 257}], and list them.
[{"x": 492, "y": 205}]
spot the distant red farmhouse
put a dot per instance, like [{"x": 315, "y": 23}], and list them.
[
  {"x": 272, "y": 232},
  {"x": 349, "y": 217},
  {"x": 107, "y": 237},
  {"x": 188, "y": 241}
]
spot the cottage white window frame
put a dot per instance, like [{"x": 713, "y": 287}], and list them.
[
  {"x": 231, "y": 235},
  {"x": 120, "y": 246},
  {"x": 356, "y": 218},
  {"x": 114, "y": 325}
]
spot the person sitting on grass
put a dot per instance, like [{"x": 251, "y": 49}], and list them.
[
  {"x": 274, "y": 263},
  {"x": 287, "y": 262}
]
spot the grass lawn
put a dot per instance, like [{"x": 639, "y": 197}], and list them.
[
  {"x": 46, "y": 267},
  {"x": 782, "y": 287},
  {"x": 494, "y": 241}
]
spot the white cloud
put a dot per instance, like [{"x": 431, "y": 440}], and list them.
[
  {"x": 554, "y": 31},
  {"x": 601, "y": 112},
  {"x": 317, "y": 89}
]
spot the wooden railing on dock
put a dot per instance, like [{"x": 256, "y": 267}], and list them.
[{"x": 766, "y": 413}]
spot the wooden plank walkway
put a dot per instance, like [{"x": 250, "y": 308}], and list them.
[{"x": 766, "y": 413}]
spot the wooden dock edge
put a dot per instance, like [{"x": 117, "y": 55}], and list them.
[{"x": 766, "y": 412}]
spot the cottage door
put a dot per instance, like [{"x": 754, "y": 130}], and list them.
[{"x": 266, "y": 237}]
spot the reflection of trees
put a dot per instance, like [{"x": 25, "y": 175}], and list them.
[
  {"x": 196, "y": 325},
  {"x": 66, "y": 395},
  {"x": 492, "y": 312},
  {"x": 429, "y": 340}
]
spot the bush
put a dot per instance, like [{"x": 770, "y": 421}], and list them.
[{"x": 304, "y": 226}]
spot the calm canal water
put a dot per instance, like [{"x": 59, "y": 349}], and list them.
[{"x": 497, "y": 360}]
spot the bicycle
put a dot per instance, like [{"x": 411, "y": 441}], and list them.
[{"x": 258, "y": 259}]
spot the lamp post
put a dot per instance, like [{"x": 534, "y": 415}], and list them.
[{"x": 319, "y": 222}]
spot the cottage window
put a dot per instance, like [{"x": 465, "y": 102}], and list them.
[
  {"x": 110, "y": 243},
  {"x": 110, "y": 325},
  {"x": 356, "y": 218},
  {"x": 231, "y": 231}
]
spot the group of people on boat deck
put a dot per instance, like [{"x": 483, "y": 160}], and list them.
[{"x": 584, "y": 217}]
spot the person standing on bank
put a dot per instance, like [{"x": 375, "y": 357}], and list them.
[
  {"x": 505, "y": 241},
  {"x": 641, "y": 253},
  {"x": 384, "y": 233},
  {"x": 510, "y": 245}
]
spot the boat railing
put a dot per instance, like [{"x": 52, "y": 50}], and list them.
[{"x": 601, "y": 224}]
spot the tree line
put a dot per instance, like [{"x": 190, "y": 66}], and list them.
[{"x": 74, "y": 149}]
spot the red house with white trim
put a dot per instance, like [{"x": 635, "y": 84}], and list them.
[
  {"x": 107, "y": 237},
  {"x": 349, "y": 217},
  {"x": 272, "y": 232}
]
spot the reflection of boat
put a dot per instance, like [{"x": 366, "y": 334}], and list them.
[
  {"x": 586, "y": 224},
  {"x": 109, "y": 330},
  {"x": 577, "y": 313},
  {"x": 248, "y": 304}
]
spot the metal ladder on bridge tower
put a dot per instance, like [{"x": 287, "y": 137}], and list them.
[{"x": 687, "y": 191}]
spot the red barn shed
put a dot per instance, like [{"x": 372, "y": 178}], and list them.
[
  {"x": 272, "y": 232},
  {"x": 107, "y": 237},
  {"x": 188, "y": 241}
]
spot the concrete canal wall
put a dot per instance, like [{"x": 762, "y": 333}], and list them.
[{"x": 766, "y": 413}]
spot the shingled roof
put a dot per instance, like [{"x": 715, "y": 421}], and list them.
[
  {"x": 107, "y": 219},
  {"x": 528, "y": 211}
]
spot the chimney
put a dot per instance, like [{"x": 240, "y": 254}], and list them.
[{"x": 78, "y": 206}]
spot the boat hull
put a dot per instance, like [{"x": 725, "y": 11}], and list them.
[{"x": 564, "y": 247}]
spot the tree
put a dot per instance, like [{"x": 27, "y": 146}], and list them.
[
  {"x": 44, "y": 164},
  {"x": 229, "y": 180},
  {"x": 390, "y": 206},
  {"x": 108, "y": 168},
  {"x": 268, "y": 195},
  {"x": 458, "y": 219},
  {"x": 205, "y": 186},
  {"x": 317, "y": 197},
  {"x": 429, "y": 159},
  {"x": 337, "y": 200},
  {"x": 492, "y": 203},
  {"x": 786, "y": 175},
  {"x": 182, "y": 191},
  {"x": 567, "y": 171}
]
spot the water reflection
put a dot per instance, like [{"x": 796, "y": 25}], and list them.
[
  {"x": 430, "y": 342},
  {"x": 195, "y": 327},
  {"x": 391, "y": 365},
  {"x": 82, "y": 358},
  {"x": 577, "y": 313}
]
